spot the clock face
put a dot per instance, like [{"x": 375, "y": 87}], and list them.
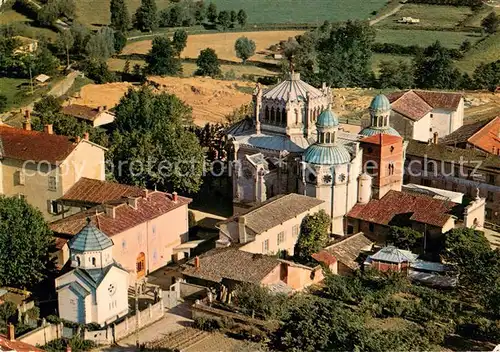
[{"x": 112, "y": 289}]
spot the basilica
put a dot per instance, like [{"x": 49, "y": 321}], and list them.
[{"x": 293, "y": 144}]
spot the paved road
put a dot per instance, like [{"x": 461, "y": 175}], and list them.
[{"x": 383, "y": 17}]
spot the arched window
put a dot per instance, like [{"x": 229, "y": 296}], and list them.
[
  {"x": 93, "y": 261},
  {"x": 327, "y": 137},
  {"x": 321, "y": 137},
  {"x": 280, "y": 116},
  {"x": 266, "y": 116},
  {"x": 273, "y": 115},
  {"x": 370, "y": 168},
  {"x": 78, "y": 260},
  {"x": 285, "y": 116},
  {"x": 333, "y": 137}
]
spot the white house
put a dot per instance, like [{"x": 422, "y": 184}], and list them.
[
  {"x": 96, "y": 289},
  {"x": 426, "y": 115}
]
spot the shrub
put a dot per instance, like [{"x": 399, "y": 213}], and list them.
[{"x": 208, "y": 324}]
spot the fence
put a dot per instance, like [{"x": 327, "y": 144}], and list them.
[
  {"x": 43, "y": 334},
  {"x": 127, "y": 327}
]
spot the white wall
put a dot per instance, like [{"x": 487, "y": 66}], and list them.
[
  {"x": 421, "y": 129},
  {"x": 109, "y": 307}
]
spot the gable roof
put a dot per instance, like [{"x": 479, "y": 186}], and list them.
[
  {"x": 19, "y": 144},
  {"x": 82, "y": 111},
  {"x": 93, "y": 192},
  {"x": 231, "y": 263},
  {"x": 463, "y": 134},
  {"x": 16, "y": 346},
  {"x": 417, "y": 207},
  {"x": 488, "y": 137},
  {"x": 275, "y": 211},
  {"x": 392, "y": 254},
  {"x": 148, "y": 207},
  {"x": 348, "y": 249},
  {"x": 415, "y": 104},
  {"x": 382, "y": 139}
]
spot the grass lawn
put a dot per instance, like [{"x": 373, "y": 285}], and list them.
[
  {"x": 302, "y": 11},
  {"x": 96, "y": 12},
  {"x": 24, "y": 25},
  {"x": 429, "y": 15},
  {"x": 424, "y": 38},
  {"x": 18, "y": 91},
  {"x": 476, "y": 18},
  {"x": 486, "y": 51},
  {"x": 377, "y": 58}
]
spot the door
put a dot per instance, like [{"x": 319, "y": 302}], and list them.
[{"x": 141, "y": 265}]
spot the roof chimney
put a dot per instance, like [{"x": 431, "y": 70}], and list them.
[
  {"x": 175, "y": 197},
  {"x": 110, "y": 210},
  {"x": 242, "y": 229},
  {"x": 86, "y": 136},
  {"x": 435, "y": 138},
  {"x": 49, "y": 129},
  {"x": 11, "y": 333},
  {"x": 197, "y": 262},
  {"x": 27, "y": 121}
]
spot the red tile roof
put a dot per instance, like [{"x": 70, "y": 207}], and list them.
[
  {"x": 156, "y": 204},
  {"x": 415, "y": 104},
  {"x": 382, "y": 139},
  {"x": 422, "y": 208},
  {"x": 324, "y": 257},
  {"x": 488, "y": 137},
  {"x": 18, "y": 346},
  {"x": 81, "y": 111},
  {"x": 16, "y": 143},
  {"x": 94, "y": 192}
]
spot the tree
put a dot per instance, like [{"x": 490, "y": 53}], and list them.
[
  {"x": 395, "y": 74},
  {"x": 3, "y": 102},
  {"x": 200, "y": 12},
  {"x": 405, "y": 238},
  {"x": 224, "y": 19},
  {"x": 120, "y": 18},
  {"x": 212, "y": 13},
  {"x": 145, "y": 16},
  {"x": 259, "y": 301},
  {"x": 344, "y": 55},
  {"x": 435, "y": 69},
  {"x": 8, "y": 312},
  {"x": 162, "y": 58},
  {"x": 313, "y": 235},
  {"x": 47, "y": 107},
  {"x": 25, "y": 239},
  {"x": 120, "y": 40},
  {"x": 158, "y": 148},
  {"x": 242, "y": 18},
  {"x": 81, "y": 36},
  {"x": 101, "y": 45},
  {"x": 487, "y": 76},
  {"x": 245, "y": 48},
  {"x": 126, "y": 67},
  {"x": 65, "y": 42},
  {"x": 233, "y": 16},
  {"x": 179, "y": 41},
  {"x": 44, "y": 62},
  {"x": 98, "y": 71},
  {"x": 49, "y": 13},
  {"x": 491, "y": 22},
  {"x": 67, "y": 8},
  {"x": 208, "y": 63}
]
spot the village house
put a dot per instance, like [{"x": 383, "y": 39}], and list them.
[
  {"x": 147, "y": 230},
  {"x": 94, "y": 116},
  {"x": 482, "y": 135},
  {"x": 8, "y": 343},
  {"x": 458, "y": 170},
  {"x": 232, "y": 266},
  {"x": 42, "y": 166},
  {"x": 425, "y": 214},
  {"x": 272, "y": 227},
  {"x": 422, "y": 115},
  {"x": 95, "y": 287}
]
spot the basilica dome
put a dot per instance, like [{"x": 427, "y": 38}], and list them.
[
  {"x": 327, "y": 119},
  {"x": 370, "y": 131},
  {"x": 380, "y": 103},
  {"x": 327, "y": 154}
]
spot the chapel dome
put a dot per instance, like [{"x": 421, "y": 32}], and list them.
[
  {"x": 292, "y": 89},
  {"x": 370, "y": 131},
  {"x": 327, "y": 119},
  {"x": 327, "y": 154},
  {"x": 380, "y": 103},
  {"x": 89, "y": 239}
]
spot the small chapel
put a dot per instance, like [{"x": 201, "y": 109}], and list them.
[
  {"x": 293, "y": 144},
  {"x": 95, "y": 288}
]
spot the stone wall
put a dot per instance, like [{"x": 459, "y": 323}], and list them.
[{"x": 43, "y": 334}]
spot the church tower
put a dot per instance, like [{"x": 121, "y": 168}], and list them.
[{"x": 383, "y": 149}]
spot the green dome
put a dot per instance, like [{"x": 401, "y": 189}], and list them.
[
  {"x": 380, "y": 103},
  {"x": 370, "y": 131},
  {"x": 89, "y": 239},
  {"x": 327, "y": 119},
  {"x": 327, "y": 155}
]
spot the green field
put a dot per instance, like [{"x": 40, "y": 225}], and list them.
[
  {"x": 24, "y": 25},
  {"x": 302, "y": 11},
  {"x": 96, "y": 12},
  {"x": 18, "y": 91},
  {"x": 429, "y": 16},
  {"x": 486, "y": 51},
  {"x": 424, "y": 38},
  {"x": 377, "y": 58}
]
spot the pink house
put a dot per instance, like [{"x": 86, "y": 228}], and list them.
[{"x": 145, "y": 230}]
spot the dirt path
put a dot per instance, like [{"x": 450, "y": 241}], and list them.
[{"x": 383, "y": 17}]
